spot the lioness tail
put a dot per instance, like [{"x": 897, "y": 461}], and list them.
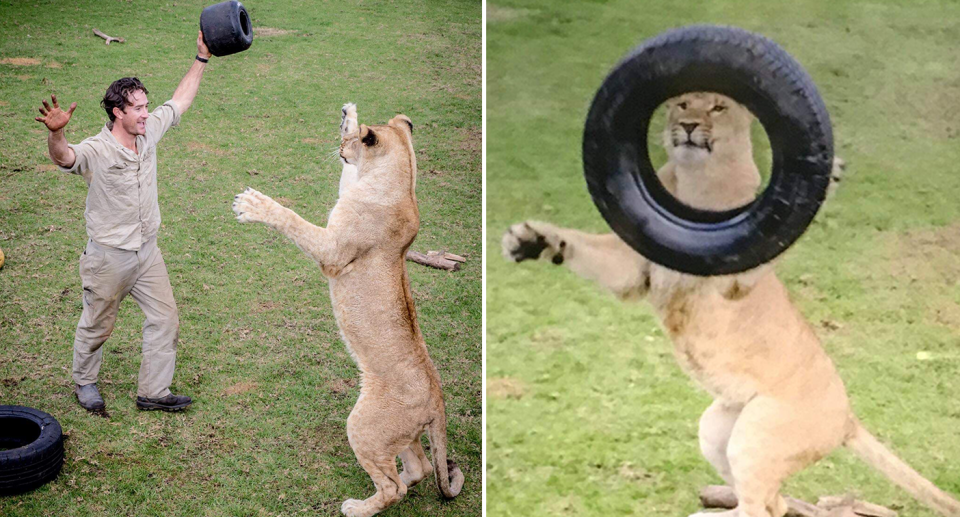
[
  {"x": 879, "y": 457},
  {"x": 449, "y": 476}
]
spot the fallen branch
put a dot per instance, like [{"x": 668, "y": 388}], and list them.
[
  {"x": 446, "y": 255},
  {"x": 108, "y": 38},
  {"x": 436, "y": 260},
  {"x": 859, "y": 507},
  {"x": 715, "y": 496}
]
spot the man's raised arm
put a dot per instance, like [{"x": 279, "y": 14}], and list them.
[
  {"x": 187, "y": 89},
  {"x": 55, "y": 119}
]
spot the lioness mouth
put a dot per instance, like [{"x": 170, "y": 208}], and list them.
[{"x": 691, "y": 143}]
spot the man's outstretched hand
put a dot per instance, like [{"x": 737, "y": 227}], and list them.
[
  {"x": 202, "y": 49},
  {"x": 55, "y": 118}
]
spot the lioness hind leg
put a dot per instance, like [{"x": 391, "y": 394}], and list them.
[
  {"x": 772, "y": 440},
  {"x": 390, "y": 489},
  {"x": 416, "y": 465},
  {"x": 716, "y": 425},
  {"x": 376, "y": 443}
]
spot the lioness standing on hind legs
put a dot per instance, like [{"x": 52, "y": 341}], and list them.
[
  {"x": 361, "y": 252},
  {"x": 779, "y": 403}
]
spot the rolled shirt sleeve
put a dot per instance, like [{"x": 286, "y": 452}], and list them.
[
  {"x": 85, "y": 152},
  {"x": 162, "y": 119}
]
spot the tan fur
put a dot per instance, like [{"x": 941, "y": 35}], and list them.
[
  {"x": 361, "y": 251},
  {"x": 779, "y": 403}
]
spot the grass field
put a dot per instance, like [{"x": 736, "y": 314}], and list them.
[
  {"x": 588, "y": 413},
  {"x": 259, "y": 351}
]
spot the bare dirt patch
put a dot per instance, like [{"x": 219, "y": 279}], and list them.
[
  {"x": 54, "y": 64},
  {"x": 265, "y": 307},
  {"x": 239, "y": 388},
  {"x": 505, "y": 388},
  {"x": 496, "y": 13},
  {"x": 265, "y": 32},
  {"x": 931, "y": 255},
  {"x": 19, "y": 61},
  {"x": 471, "y": 139},
  {"x": 341, "y": 386},
  {"x": 198, "y": 146}
]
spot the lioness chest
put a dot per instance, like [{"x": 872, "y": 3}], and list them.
[{"x": 737, "y": 347}]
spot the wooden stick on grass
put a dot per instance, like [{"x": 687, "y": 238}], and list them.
[
  {"x": 435, "y": 259},
  {"x": 108, "y": 38},
  {"x": 716, "y": 496}
]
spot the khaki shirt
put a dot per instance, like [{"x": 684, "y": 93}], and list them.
[{"x": 122, "y": 209}]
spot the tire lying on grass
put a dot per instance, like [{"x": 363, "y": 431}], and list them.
[
  {"x": 31, "y": 449},
  {"x": 755, "y": 72},
  {"x": 226, "y": 28}
]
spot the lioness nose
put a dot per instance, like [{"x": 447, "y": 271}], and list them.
[{"x": 689, "y": 127}]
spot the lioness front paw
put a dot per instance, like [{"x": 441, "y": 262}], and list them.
[
  {"x": 348, "y": 119},
  {"x": 532, "y": 240},
  {"x": 253, "y": 207}
]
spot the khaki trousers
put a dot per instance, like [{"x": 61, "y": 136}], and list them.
[{"x": 108, "y": 276}]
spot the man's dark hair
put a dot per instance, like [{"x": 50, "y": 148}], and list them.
[{"x": 118, "y": 93}]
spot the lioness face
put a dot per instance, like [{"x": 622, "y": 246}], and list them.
[
  {"x": 700, "y": 123},
  {"x": 371, "y": 144}
]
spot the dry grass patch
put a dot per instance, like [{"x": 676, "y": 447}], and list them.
[
  {"x": 496, "y": 13},
  {"x": 931, "y": 255},
  {"x": 316, "y": 141},
  {"x": 20, "y": 61},
  {"x": 206, "y": 148},
  {"x": 240, "y": 388},
  {"x": 266, "y": 32},
  {"x": 341, "y": 386},
  {"x": 505, "y": 388}
]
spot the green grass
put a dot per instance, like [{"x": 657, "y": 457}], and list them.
[
  {"x": 259, "y": 350},
  {"x": 588, "y": 414}
]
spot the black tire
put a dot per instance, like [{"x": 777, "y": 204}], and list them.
[
  {"x": 226, "y": 28},
  {"x": 31, "y": 449},
  {"x": 752, "y": 70}
]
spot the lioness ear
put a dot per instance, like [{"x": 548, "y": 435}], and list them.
[
  {"x": 401, "y": 120},
  {"x": 367, "y": 136}
]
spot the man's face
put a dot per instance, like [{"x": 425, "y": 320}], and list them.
[{"x": 134, "y": 116}]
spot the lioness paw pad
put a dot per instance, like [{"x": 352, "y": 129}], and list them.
[
  {"x": 251, "y": 206},
  {"x": 526, "y": 241}
]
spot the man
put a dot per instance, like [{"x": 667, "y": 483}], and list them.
[{"x": 122, "y": 216}]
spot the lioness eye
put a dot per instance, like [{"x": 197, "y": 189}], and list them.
[
  {"x": 718, "y": 108},
  {"x": 682, "y": 105}
]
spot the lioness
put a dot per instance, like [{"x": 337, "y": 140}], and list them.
[
  {"x": 779, "y": 403},
  {"x": 361, "y": 252}
]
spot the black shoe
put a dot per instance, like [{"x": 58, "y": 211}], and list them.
[
  {"x": 169, "y": 403},
  {"x": 89, "y": 397}
]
